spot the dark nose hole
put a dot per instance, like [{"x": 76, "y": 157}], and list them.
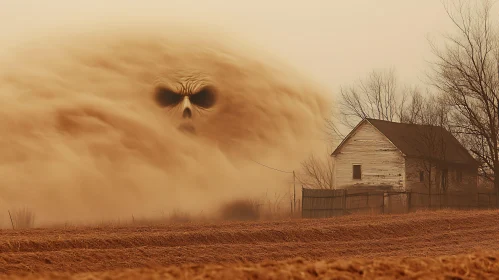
[{"x": 187, "y": 113}]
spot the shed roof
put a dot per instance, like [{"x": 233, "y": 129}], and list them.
[{"x": 422, "y": 141}]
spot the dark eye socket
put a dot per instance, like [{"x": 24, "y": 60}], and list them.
[
  {"x": 166, "y": 97},
  {"x": 204, "y": 98}
]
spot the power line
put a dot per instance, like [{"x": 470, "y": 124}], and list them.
[
  {"x": 271, "y": 167},
  {"x": 293, "y": 204}
]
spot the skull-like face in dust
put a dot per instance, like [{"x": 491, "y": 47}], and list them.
[
  {"x": 188, "y": 99},
  {"x": 128, "y": 84}
]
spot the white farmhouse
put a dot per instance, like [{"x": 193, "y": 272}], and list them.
[{"x": 394, "y": 156}]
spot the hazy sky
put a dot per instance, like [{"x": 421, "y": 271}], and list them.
[{"x": 335, "y": 41}]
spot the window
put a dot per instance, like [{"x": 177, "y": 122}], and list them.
[
  {"x": 421, "y": 176},
  {"x": 357, "y": 171},
  {"x": 459, "y": 176}
]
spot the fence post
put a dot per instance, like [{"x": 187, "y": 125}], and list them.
[
  {"x": 429, "y": 197},
  {"x": 408, "y": 195},
  {"x": 367, "y": 201},
  {"x": 478, "y": 200},
  {"x": 344, "y": 202},
  {"x": 383, "y": 203}
]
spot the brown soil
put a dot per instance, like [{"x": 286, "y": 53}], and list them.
[
  {"x": 480, "y": 265},
  {"x": 345, "y": 242}
]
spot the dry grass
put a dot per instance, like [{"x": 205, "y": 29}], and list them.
[
  {"x": 236, "y": 210},
  {"x": 175, "y": 217},
  {"x": 180, "y": 217},
  {"x": 22, "y": 218}
]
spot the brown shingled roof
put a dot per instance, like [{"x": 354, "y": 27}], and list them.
[{"x": 415, "y": 141}]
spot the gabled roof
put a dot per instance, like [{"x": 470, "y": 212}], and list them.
[{"x": 422, "y": 141}]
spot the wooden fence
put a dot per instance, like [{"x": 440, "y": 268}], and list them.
[{"x": 317, "y": 203}]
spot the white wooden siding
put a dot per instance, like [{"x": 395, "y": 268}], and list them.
[{"x": 382, "y": 163}]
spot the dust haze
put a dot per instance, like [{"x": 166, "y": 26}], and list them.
[{"x": 88, "y": 134}]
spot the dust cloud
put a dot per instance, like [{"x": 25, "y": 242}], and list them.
[{"x": 89, "y": 132}]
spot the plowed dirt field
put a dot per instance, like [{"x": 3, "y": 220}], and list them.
[{"x": 351, "y": 246}]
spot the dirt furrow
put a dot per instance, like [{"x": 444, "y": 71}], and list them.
[
  {"x": 104, "y": 259},
  {"x": 101, "y": 249},
  {"x": 456, "y": 217},
  {"x": 479, "y": 265},
  {"x": 310, "y": 231}
]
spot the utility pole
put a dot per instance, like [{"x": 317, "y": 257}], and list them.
[{"x": 294, "y": 192}]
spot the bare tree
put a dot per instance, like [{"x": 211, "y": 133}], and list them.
[
  {"x": 466, "y": 72},
  {"x": 413, "y": 112},
  {"x": 435, "y": 118},
  {"x": 379, "y": 97},
  {"x": 433, "y": 158},
  {"x": 374, "y": 97},
  {"x": 429, "y": 141},
  {"x": 317, "y": 172}
]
